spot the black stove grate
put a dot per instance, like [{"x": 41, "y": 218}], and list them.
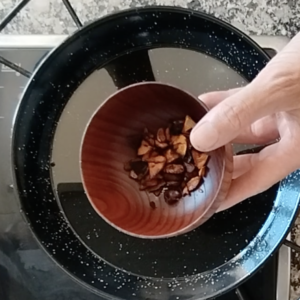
[
  {"x": 13, "y": 13},
  {"x": 9, "y": 17}
]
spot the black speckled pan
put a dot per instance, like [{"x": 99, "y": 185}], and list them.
[{"x": 204, "y": 263}]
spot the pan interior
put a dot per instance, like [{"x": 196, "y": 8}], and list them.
[{"x": 225, "y": 235}]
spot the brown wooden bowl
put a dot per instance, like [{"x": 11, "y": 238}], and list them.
[{"x": 112, "y": 138}]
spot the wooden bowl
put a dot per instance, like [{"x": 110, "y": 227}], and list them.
[{"x": 112, "y": 138}]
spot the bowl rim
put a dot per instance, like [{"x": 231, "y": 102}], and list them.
[{"x": 174, "y": 233}]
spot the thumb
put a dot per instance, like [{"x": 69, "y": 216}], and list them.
[{"x": 227, "y": 119}]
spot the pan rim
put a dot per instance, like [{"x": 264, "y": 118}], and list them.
[{"x": 56, "y": 50}]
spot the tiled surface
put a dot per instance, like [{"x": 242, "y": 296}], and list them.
[
  {"x": 268, "y": 17},
  {"x": 254, "y": 16}
]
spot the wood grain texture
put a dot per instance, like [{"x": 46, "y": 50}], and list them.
[{"x": 112, "y": 138}]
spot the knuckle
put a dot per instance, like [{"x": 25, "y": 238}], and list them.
[
  {"x": 290, "y": 156},
  {"x": 255, "y": 130},
  {"x": 283, "y": 79},
  {"x": 232, "y": 116}
]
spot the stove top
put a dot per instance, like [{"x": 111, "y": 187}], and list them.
[{"x": 26, "y": 271}]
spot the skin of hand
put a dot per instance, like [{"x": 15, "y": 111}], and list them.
[{"x": 266, "y": 109}]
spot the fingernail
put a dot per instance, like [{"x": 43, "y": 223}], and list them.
[{"x": 204, "y": 136}]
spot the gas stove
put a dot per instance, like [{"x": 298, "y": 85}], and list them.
[{"x": 26, "y": 271}]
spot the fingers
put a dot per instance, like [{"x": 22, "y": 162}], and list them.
[
  {"x": 241, "y": 165},
  {"x": 260, "y": 132},
  {"x": 211, "y": 99},
  {"x": 276, "y": 88},
  {"x": 260, "y": 171},
  {"x": 227, "y": 120}
]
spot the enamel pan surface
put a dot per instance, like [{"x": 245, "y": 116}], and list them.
[{"x": 204, "y": 263}]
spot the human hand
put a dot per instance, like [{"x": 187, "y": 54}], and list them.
[{"x": 266, "y": 109}]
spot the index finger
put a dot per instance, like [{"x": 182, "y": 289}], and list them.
[{"x": 227, "y": 120}]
